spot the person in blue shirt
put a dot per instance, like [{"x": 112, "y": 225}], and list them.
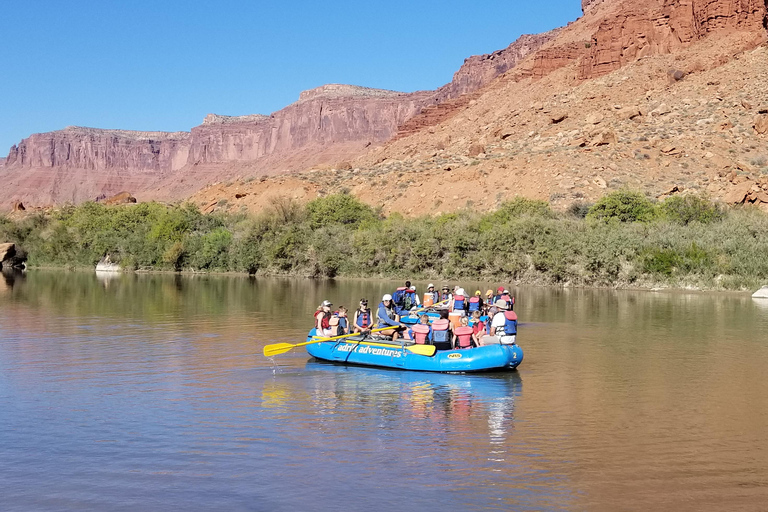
[{"x": 387, "y": 316}]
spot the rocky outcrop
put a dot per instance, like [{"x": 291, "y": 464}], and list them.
[
  {"x": 661, "y": 26},
  {"x": 327, "y": 115},
  {"x": 121, "y": 198},
  {"x": 587, "y": 5},
  {"x": 93, "y": 149},
  {"x": 479, "y": 70},
  {"x": 11, "y": 257}
]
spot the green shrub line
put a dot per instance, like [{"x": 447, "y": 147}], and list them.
[{"x": 623, "y": 240}]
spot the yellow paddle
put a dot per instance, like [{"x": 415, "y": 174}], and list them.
[
  {"x": 281, "y": 348},
  {"x": 427, "y": 307}
]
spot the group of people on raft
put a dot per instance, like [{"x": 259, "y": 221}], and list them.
[{"x": 457, "y": 320}]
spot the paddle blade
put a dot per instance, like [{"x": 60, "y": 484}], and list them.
[
  {"x": 277, "y": 348},
  {"x": 423, "y": 350}
]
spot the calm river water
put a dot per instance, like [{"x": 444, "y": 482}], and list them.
[{"x": 150, "y": 393}]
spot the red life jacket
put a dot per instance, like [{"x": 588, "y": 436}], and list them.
[
  {"x": 464, "y": 335},
  {"x": 420, "y": 332},
  {"x": 506, "y": 298},
  {"x": 325, "y": 323}
]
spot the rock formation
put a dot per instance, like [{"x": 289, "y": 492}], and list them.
[
  {"x": 641, "y": 29},
  {"x": 337, "y": 123}
]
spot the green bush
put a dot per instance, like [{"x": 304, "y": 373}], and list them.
[
  {"x": 686, "y": 209},
  {"x": 691, "y": 244},
  {"x": 623, "y": 206},
  {"x": 338, "y": 209}
]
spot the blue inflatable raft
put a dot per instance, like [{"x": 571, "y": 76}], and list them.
[{"x": 388, "y": 354}]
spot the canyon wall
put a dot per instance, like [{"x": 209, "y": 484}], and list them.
[
  {"x": 93, "y": 149},
  {"x": 663, "y": 26},
  {"x": 340, "y": 121}
]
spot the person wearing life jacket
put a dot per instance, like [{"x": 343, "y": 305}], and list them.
[
  {"x": 478, "y": 327},
  {"x": 499, "y": 292},
  {"x": 442, "y": 333},
  {"x": 343, "y": 321},
  {"x": 387, "y": 317},
  {"x": 488, "y": 301},
  {"x": 363, "y": 320},
  {"x": 445, "y": 294},
  {"x": 431, "y": 297},
  {"x": 507, "y": 297},
  {"x": 463, "y": 334},
  {"x": 323, "y": 319},
  {"x": 410, "y": 299},
  {"x": 504, "y": 324},
  {"x": 398, "y": 297},
  {"x": 475, "y": 302},
  {"x": 421, "y": 332},
  {"x": 459, "y": 301}
]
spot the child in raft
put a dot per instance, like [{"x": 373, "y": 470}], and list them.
[
  {"x": 464, "y": 336},
  {"x": 478, "y": 328},
  {"x": 343, "y": 321},
  {"x": 424, "y": 337}
]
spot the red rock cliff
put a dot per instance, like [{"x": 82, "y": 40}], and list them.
[
  {"x": 327, "y": 115},
  {"x": 661, "y": 26},
  {"x": 94, "y": 149}
]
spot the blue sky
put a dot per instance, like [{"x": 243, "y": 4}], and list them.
[{"x": 165, "y": 64}]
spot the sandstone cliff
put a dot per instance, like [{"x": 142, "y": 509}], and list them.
[{"x": 336, "y": 123}]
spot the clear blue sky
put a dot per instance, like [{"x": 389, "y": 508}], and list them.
[{"x": 165, "y": 64}]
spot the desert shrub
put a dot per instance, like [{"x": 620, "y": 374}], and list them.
[
  {"x": 338, "y": 209},
  {"x": 623, "y": 206},
  {"x": 687, "y": 209},
  {"x": 579, "y": 209}
]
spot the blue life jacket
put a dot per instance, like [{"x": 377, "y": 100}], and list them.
[
  {"x": 440, "y": 331},
  {"x": 474, "y": 304},
  {"x": 364, "y": 319},
  {"x": 510, "y": 323},
  {"x": 458, "y": 302},
  {"x": 399, "y": 296}
]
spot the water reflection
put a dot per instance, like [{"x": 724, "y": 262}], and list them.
[{"x": 632, "y": 401}]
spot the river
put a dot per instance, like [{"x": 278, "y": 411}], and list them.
[{"x": 149, "y": 392}]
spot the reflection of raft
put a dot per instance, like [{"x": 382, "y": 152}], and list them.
[{"x": 388, "y": 354}]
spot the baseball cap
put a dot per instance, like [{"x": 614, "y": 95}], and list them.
[
  {"x": 478, "y": 292},
  {"x": 500, "y": 289},
  {"x": 386, "y": 297},
  {"x": 327, "y": 303}
]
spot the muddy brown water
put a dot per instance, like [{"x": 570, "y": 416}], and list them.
[{"x": 149, "y": 392}]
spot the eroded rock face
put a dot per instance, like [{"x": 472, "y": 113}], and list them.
[
  {"x": 479, "y": 70},
  {"x": 94, "y": 149},
  {"x": 661, "y": 26},
  {"x": 327, "y": 115}
]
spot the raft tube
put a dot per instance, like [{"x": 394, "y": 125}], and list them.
[{"x": 394, "y": 355}]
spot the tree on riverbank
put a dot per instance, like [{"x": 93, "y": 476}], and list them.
[{"x": 625, "y": 240}]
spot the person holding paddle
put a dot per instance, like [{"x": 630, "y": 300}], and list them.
[{"x": 387, "y": 317}]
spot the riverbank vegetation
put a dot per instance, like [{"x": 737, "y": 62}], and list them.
[{"x": 624, "y": 239}]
